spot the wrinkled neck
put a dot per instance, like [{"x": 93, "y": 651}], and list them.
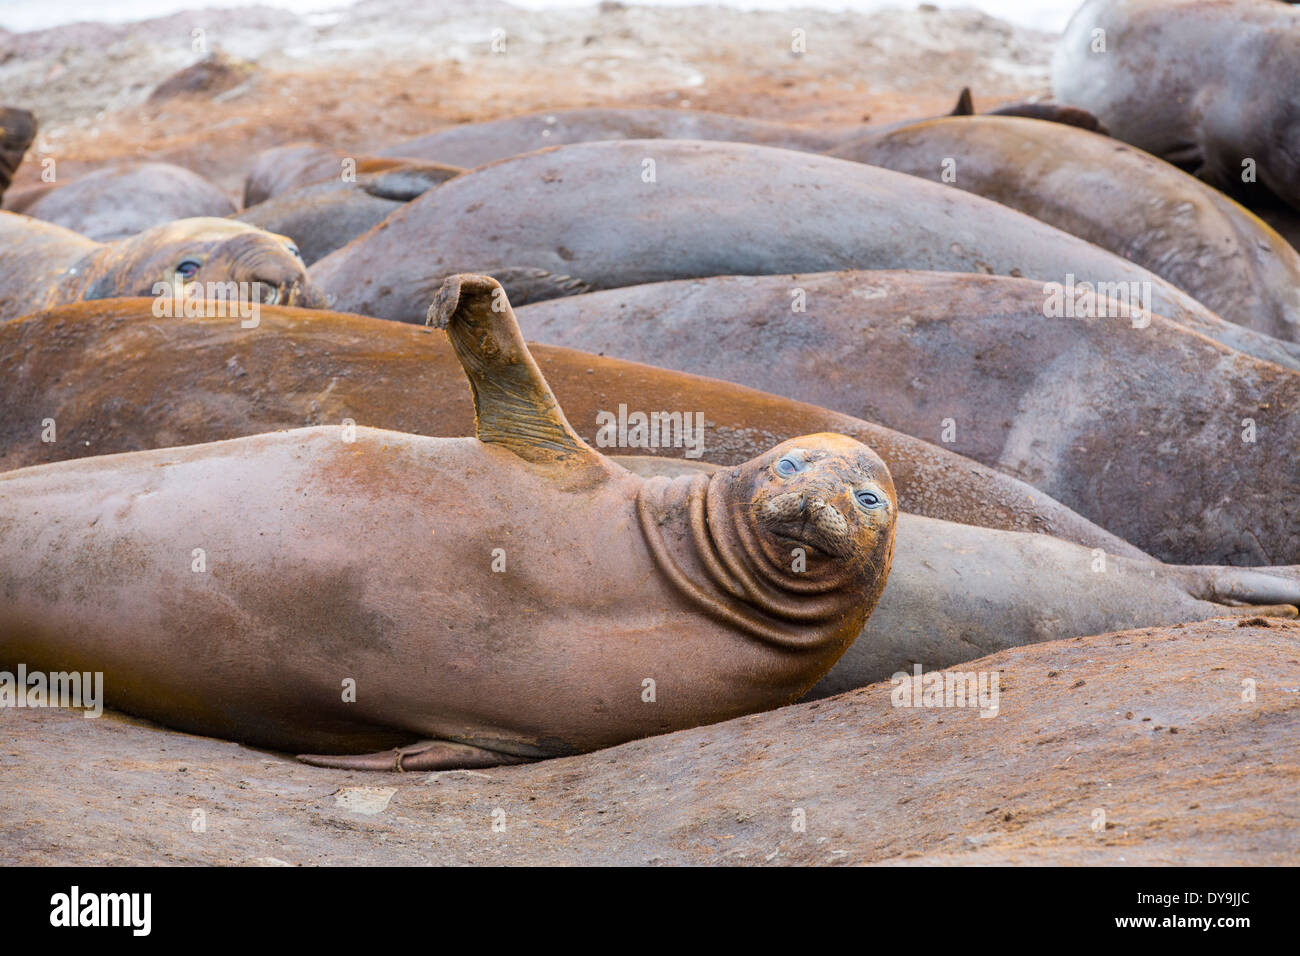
[{"x": 706, "y": 544}]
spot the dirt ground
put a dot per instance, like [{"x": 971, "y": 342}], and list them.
[
  {"x": 381, "y": 72},
  {"x": 1131, "y": 748}
]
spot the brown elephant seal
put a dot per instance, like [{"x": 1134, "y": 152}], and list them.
[
  {"x": 369, "y": 559},
  {"x": 1136, "y": 206},
  {"x": 42, "y": 265},
  {"x": 326, "y": 216},
  {"x": 1206, "y": 84},
  {"x": 286, "y": 169},
  {"x": 112, "y": 378},
  {"x": 957, "y": 592},
  {"x": 1141, "y": 430},
  {"x": 128, "y": 198},
  {"x": 17, "y": 130},
  {"x": 585, "y": 217}
]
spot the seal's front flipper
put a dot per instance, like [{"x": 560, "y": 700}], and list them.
[
  {"x": 1054, "y": 113},
  {"x": 965, "y": 105},
  {"x": 425, "y": 755},
  {"x": 513, "y": 405},
  {"x": 1272, "y": 591},
  {"x": 409, "y": 181}
]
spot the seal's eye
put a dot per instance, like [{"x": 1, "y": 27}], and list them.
[
  {"x": 868, "y": 499},
  {"x": 789, "y": 465},
  {"x": 293, "y": 251},
  {"x": 187, "y": 268}
]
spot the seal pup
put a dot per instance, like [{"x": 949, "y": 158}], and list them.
[
  {"x": 1207, "y": 84},
  {"x": 604, "y": 215},
  {"x": 369, "y": 558},
  {"x": 123, "y": 199},
  {"x": 42, "y": 265},
  {"x": 1140, "y": 429},
  {"x": 1114, "y": 196}
]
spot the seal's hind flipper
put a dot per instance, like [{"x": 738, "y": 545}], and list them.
[
  {"x": 1272, "y": 591},
  {"x": 425, "y": 755},
  {"x": 1054, "y": 113},
  {"x": 17, "y": 130},
  {"x": 965, "y": 104},
  {"x": 513, "y": 405}
]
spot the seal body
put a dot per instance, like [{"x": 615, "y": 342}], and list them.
[
  {"x": 1207, "y": 84},
  {"x": 42, "y": 265},
  {"x": 538, "y": 592},
  {"x": 123, "y": 199},
  {"x": 606, "y": 215},
  {"x": 1115, "y": 197}
]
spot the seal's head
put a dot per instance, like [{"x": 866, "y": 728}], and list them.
[
  {"x": 205, "y": 250},
  {"x": 817, "y": 509}
]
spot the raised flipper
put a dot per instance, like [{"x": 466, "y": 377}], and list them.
[
  {"x": 424, "y": 755},
  {"x": 965, "y": 104},
  {"x": 513, "y": 405},
  {"x": 1048, "y": 112},
  {"x": 17, "y": 130},
  {"x": 409, "y": 181},
  {"x": 1266, "y": 592}
]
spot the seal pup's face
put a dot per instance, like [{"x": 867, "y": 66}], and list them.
[
  {"x": 828, "y": 495},
  {"x": 208, "y": 250}
]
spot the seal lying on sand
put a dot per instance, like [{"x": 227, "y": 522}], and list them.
[
  {"x": 285, "y": 169},
  {"x": 127, "y": 198},
  {"x": 1208, "y": 84},
  {"x": 1114, "y": 196},
  {"x": 1142, "y": 430},
  {"x": 370, "y": 559},
  {"x": 605, "y": 215},
  {"x": 207, "y": 379},
  {"x": 958, "y": 592},
  {"x": 328, "y": 215},
  {"x": 42, "y": 265},
  {"x": 113, "y": 378}
]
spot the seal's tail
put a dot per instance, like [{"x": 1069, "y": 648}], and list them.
[{"x": 17, "y": 130}]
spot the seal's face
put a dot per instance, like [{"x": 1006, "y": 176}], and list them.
[
  {"x": 826, "y": 495},
  {"x": 263, "y": 264}
]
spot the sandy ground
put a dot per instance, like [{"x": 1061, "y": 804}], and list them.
[
  {"x": 381, "y": 72},
  {"x": 1128, "y": 748}
]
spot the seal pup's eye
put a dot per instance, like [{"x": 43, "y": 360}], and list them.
[
  {"x": 187, "y": 268},
  {"x": 293, "y": 250},
  {"x": 789, "y": 465},
  {"x": 868, "y": 499}
]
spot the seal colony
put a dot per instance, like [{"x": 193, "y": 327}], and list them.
[
  {"x": 837, "y": 402},
  {"x": 316, "y": 586}
]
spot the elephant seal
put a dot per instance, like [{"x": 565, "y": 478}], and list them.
[
  {"x": 1141, "y": 430},
  {"x": 42, "y": 265},
  {"x": 1190, "y": 81},
  {"x": 585, "y": 217},
  {"x": 112, "y": 378},
  {"x": 1137, "y": 206},
  {"x": 286, "y": 169},
  {"x": 127, "y": 198},
  {"x": 328, "y": 215},
  {"x": 369, "y": 559},
  {"x": 17, "y": 130},
  {"x": 958, "y": 592}
]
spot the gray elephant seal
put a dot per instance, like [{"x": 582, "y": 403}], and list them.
[
  {"x": 606, "y": 215},
  {"x": 127, "y": 198},
  {"x": 1114, "y": 196},
  {"x": 42, "y": 265},
  {"x": 370, "y": 559},
  {"x": 1206, "y": 84}
]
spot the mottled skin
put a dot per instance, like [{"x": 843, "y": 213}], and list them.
[
  {"x": 370, "y": 559},
  {"x": 580, "y": 218},
  {"x": 116, "y": 379},
  {"x": 1138, "y": 429},
  {"x": 1202, "y": 83},
  {"x": 1114, "y": 196},
  {"x": 325, "y": 216},
  {"x": 205, "y": 379},
  {"x": 127, "y": 198},
  {"x": 43, "y": 265},
  {"x": 958, "y": 592}
]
